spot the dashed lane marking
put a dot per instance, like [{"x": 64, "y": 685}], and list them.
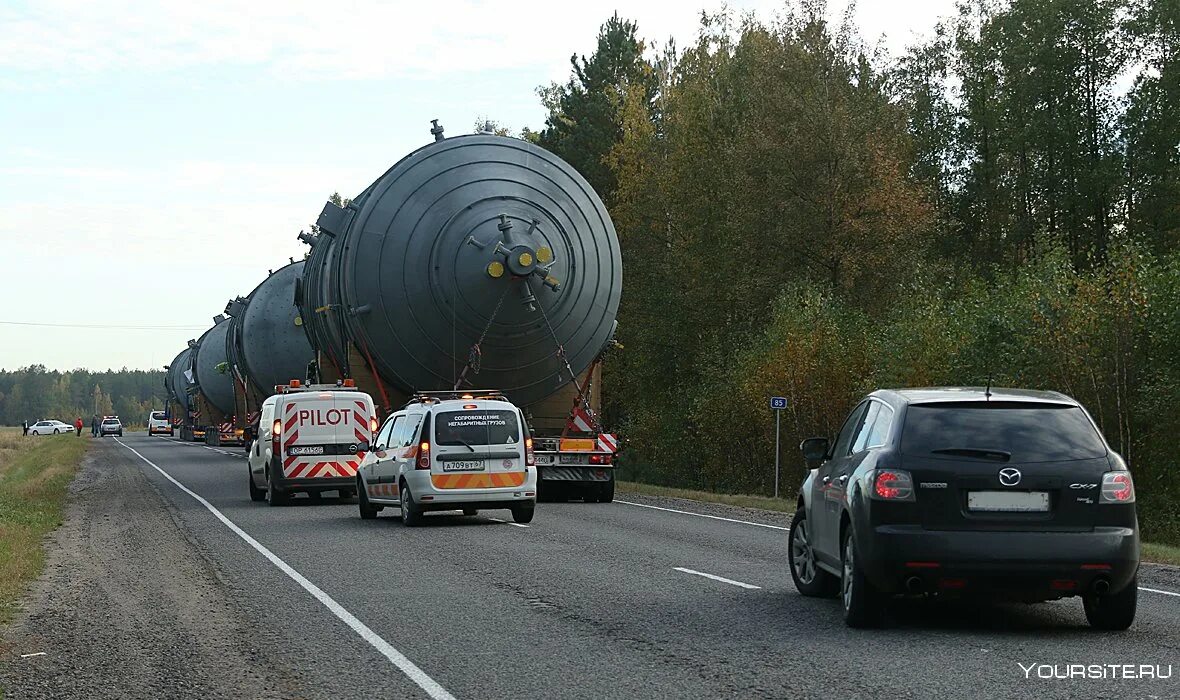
[
  {"x": 506, "y": 522},
  {"x": 407, "y": 667},
  {"x": 722, "y": 579},
  {"x": 1156, "y": 590},
  {"x": 702, "y": 515}
]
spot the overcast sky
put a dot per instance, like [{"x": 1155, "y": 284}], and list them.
[{"x": 158, "y": 158}]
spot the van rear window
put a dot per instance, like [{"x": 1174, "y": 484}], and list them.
[
  {"x": 157, "y": 415},
  {"x": 1026, "y": 433},
  {"x": 454, "y": 428}
]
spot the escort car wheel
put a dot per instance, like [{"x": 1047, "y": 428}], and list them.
[
  {"x": 256, "y": 494},
  {"x": 274, "y": 496},
  {"x": 368, "y": 510},
  {"x": 523, "y": 514},
  {"x": 411, "y": 514},
  {"x": 809, "y": 579}
]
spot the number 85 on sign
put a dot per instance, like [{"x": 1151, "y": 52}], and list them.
[{"x": 778, "y": 403}]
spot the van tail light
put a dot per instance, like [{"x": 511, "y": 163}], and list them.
[
  {"x": 373, "y": 426},
  {"x": 424, "y": 445},
  {"x": 893, "y": 485},
  {"x": 275, "y": 433},
  {"x": 529, "y": 458},
  {"x": 1117, "y": 487}
]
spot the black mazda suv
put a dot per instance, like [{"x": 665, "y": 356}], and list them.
[{"x": 998, "y": 493}]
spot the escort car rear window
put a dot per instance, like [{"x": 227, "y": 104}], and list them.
[
  {"x": 476, "y": 427},
  {"x": 1001, "y": 432}
]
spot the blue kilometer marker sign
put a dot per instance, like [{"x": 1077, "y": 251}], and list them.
[{"x": 778, "y": 402}]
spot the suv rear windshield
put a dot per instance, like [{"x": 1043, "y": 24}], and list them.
[
  {"x": 477, "y": 427},
  {"x": 1026, "y": 433}
]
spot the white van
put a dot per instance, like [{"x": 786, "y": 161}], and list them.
[
  {"x": 451, "y": 451},
  {"x": 157, "y": 423},
  {"x": 311, "y": 439}
]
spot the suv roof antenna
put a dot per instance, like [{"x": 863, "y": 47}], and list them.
[{"x": 987, "y": 391}]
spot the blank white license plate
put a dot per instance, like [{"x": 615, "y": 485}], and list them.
[
  {"x": 1008, "y": 501},
  {"x": 471, "y": 465},
  {"x": 312, "y": 450}
]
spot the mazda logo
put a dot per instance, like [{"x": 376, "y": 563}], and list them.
[{"x": 1009, "y": 476}]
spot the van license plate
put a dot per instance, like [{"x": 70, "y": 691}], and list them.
[
  {"x": 307, "y": 450},
  {"x": 1008, "y": 501},
  {"x": 474, "y": 465}
]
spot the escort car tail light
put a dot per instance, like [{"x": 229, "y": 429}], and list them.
[
  {"x": 893, "y": 485},
  {"x": 424, "y": 445},
  {"x": 529, "y": 457}
]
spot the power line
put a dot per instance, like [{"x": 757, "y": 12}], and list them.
[{"x": 104, "y": 326}]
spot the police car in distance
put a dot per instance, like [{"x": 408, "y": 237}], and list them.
[
  {"x": 311, "y": 439},
  {"x": 450, "y": 451},
  {"x": 111, "y": 425}
]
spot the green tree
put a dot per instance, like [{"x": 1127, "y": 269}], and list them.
[{"x": 583, "y": 123}]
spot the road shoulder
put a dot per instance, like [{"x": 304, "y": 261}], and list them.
[{"x": 128, "y": 607}]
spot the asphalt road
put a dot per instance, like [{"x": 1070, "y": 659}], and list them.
[{"x": 589, "y": 601}]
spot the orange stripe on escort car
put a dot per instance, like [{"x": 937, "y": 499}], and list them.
[{"x": 477, "y": 481}]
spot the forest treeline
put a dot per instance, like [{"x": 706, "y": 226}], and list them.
[
  {"x": 803, "y": 214},
  {"x": 35, "y": 393}
]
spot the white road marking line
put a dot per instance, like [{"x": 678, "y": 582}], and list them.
[
  {"x": 35, "y": 653},
  {"x": 717, "y": 578},
  {"x": 702, "y": 515},
  {"x": 1156, "y": 590},
  {"x": 417, "y": 675},
  {"x": 505, "y": 522}
]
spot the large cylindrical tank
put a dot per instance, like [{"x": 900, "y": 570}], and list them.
[
  {"x": 175, "y": 381},
  {"x": 474, "y": 240},
  {"x": 267, "y": 343},
  {"x": 211, "y": 368}
]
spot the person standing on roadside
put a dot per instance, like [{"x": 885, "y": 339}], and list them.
[
  {"x": 78, "y": 426},
  {"x": 94, "y": 426},
  {"x": 25, "y": 427}
]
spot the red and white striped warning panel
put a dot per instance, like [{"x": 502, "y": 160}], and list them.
[
  {"x": 608, "y": 442},
  {"x": 311, "y": 468},
  {"x": 582, "y": 421}
]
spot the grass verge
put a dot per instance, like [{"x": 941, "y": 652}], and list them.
[
  {"x": 1158, "y": 553},
  {"x": 34, "y": 474}
]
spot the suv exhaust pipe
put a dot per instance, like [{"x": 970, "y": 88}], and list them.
[
  {"x": 913, "y": 584},
  {"x": 1101, "y": 586}
]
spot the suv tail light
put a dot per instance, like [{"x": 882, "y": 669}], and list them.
[
  {"x": 893, "y": 485},
  {"x": 1117, "y": 487},
  {"x": 424, "y": 445}
]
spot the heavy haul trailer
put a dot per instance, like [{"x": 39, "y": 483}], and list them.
[
  {"x": 211, "y": 393},
  {"x": 266, "y": 344},
  {"x": 476, "y": 261}
]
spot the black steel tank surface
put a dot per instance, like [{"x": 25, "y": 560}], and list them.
[
  {"x": 175, "y": 381},
  {"x": 211, "y": 368},
  {"x": 481, "y": 252},
  {"x": 266, "y": 339}
]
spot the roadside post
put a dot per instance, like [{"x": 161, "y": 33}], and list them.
[{"x": 777, "y": 404}]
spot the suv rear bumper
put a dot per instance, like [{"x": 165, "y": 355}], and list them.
[{"x": 1023, "y": 563}]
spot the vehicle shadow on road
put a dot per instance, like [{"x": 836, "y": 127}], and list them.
[{"x": 1056, "y": 618}]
